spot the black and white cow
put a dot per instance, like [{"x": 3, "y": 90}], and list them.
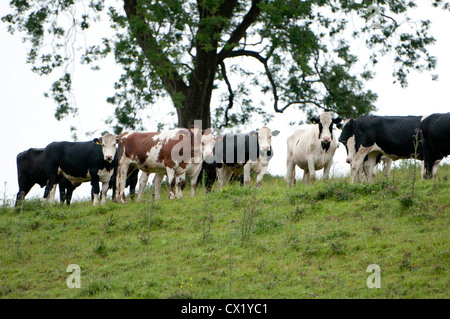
[
  {"x": 311, "y": 147},
  {"x": 435, "y": 130},
  {"x": 240, "y": 153},
  {"x": 31, "y": 171},
  {"x": 392, "y": 136},
  {"x": 369, "y": 168},
  {"x": 81, "y": 162}
]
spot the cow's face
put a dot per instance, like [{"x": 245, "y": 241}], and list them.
[
  {"x": 196, "y": 141},
  {"x": 351, "y": 149},
  {"x": 207, "y": 144},
  {"x": 325, "y": 122},
  {"x": 347, "y": 131},
  {"x": 108, "y": 143},
  {"x": 265, "y": 138}
]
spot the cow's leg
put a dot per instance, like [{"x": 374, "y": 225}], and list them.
[
  {"x": 50, "y": 189},
  {"x": 211, "y": 176},
  {"x": 69, "y": 191},
  {"x": 50, "y": 198},
  {"x": 105, "y": 187},
  {"x": 369, "y": 167},
  {"x": 157, "y": 184},
  {"x": 435, "y": 168},
  {"x": 305, "y": 176},
  {"x": 290, "y": 172},
  {"x": 247, "y": 174},
  {"x": 180, "y": 184},
  {"x": 132, "y": 190},
  {"x": 311, "y": 168},
  {"x": 49, "y": 193},
  {"x": 195, "y": 180},
  {"x": 226, "y": 174},
  {"x": 358, "y": 161},
  {"x": 142, "y": 184},
  {"x": 121, "y": 181},
  {"x": 172, "y": 182},
  {"x": 262, "y": 172},
  {"x": 95, "y": 183},
  {"x": 62, "y": 191},
  {"x": 326, "y": 170},
  {"x": 387, "y": 163}
]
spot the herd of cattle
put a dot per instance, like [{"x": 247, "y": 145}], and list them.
[{"x": 116, "y": 160}]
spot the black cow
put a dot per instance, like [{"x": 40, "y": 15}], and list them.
[
  {"x": 31, "y": 171},
  {"x": 393, "y": 136},
  {"x": 239, "y": 154},
  {"x": 436, "y": 141},
  {"x": 81, "y": 162}
]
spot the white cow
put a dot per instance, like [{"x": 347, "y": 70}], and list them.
[
  {"x": 312, "y": 148},
  {"x": 192, "y": 170}
]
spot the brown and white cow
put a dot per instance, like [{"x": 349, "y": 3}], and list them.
[
  {"x": 312, "y": 148},
  {"x": 193, "y": 169},
  {"x": 169, "y": 152}
]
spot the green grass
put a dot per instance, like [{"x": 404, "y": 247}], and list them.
[{"x": 308, "y": 241}]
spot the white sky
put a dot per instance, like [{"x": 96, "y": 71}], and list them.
[{"x": 27, "y": 117}]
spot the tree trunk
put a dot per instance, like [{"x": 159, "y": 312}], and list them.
[{"x": 196, "y": 105}]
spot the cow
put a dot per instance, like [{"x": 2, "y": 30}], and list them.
[
  {"x": 242, "y": 153},
  {"x": 80, "y": 162},
  {"x": 369, "y": 168},
  {"x": 193, "y": 169},
  {"x": 392, "y": 136},
  {"x": 30, "y": 171},
  {"x": 312, "y": 148},
  {"x": 435, "y": 136},
  {"x": 169, "y": 151}
]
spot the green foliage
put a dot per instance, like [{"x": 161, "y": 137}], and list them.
[{"x": 185, "y": 50}]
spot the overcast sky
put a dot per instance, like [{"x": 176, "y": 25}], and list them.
[{"x": 27, "y": 118}]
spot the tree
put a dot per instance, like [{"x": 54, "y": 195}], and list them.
[{"x": 187, "y": 49}]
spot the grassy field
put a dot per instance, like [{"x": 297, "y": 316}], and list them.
[{"x": 309, "y": 241}]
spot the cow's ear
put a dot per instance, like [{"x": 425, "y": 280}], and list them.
[
  {"x": 314, "y": 120},
  {"x": 98, "y": 140},
  {"x": 339, "y": 126},
  {"x": 218, "y": 139},
  {"x": 275, "y": 133},
  {"x": 337, "y": 120}
]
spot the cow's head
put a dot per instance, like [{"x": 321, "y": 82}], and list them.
[
  {"x": 207, "y": 143},
  {"x": 325, "y": 122},
  {"x": 202, "y": 143},
  {"x": 108, "y": 143},
  {"x": 265, "y": 138},
  {"x": 347, "y": 131},
  {"x": 347, "y": 138}
]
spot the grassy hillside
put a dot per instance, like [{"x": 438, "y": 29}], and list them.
[{"x": 309, "y": 241}]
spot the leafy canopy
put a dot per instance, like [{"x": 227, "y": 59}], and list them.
[{"x": 298, "y": 52}]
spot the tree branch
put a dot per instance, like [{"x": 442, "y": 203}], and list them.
[
  {"x": 230, "y": 96},
  {"x": 316, "y": 103},
  {"x": 263, "y": 60},
  {"x": 165, "y": 69},
  {"x": 240, "y": 31}
]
